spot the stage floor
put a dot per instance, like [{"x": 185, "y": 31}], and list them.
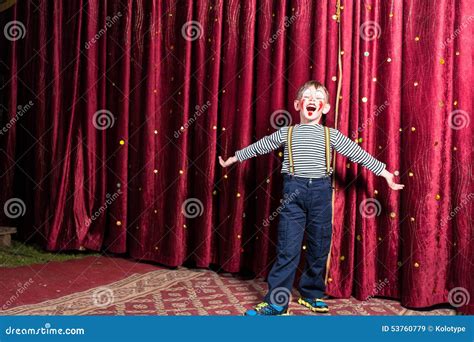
[{"x": 115, "y": 286}]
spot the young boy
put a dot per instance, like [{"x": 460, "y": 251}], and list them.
[{"x": 307, "y": 184}]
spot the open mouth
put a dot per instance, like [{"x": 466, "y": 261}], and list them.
[{"x": 310, "y": 109}]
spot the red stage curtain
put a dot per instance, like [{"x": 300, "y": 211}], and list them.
[{"x": 131, "y": 103}]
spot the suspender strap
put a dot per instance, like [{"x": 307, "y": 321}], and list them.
[
  {"x": 327, "y": 143},
  {"x": 290, "y": 153}
]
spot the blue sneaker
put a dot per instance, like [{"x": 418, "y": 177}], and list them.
[
  {"x": 315, "y": 305},
  {"x": 267, "y": 309}
]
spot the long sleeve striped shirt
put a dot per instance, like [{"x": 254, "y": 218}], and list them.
[{"x": 309, "y": 156}]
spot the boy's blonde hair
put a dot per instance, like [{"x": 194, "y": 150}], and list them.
[{"x": 310, "y": 84}]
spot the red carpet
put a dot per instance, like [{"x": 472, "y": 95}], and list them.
[
  {"x": 109, "y": 286},
  {"x": 37, "y": 283}
]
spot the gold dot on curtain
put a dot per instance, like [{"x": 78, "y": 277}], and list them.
[
  {"x": 122, "y": 142},
  {"x": 223, "y": 91},
  {"x": 137, "y": 227},
  {"x": 182, "y": 128},
  {"x": 396, "y": 172},
  {"x": 223, "y": 129},
  {"x": 304, "y": 247},
  {"x": 400, "y": 129},
  {"x": 412, "y": 219},
  {"x": 455, "y": 103},
  {"x": 438, "y": 197},
  {"x": 268, "y": 180},
  {"x": 393, "y": 215},
  {"x": 399, "y": 263},
  {"x": 155, "y": 91},
  {"x": 181, "y": 172},
  {"x": 139, "y": 189},
  {"x": 329, "y": 280},
  {"x": 380, "y": 147},
  {"x": 417, "y": 38},
  {"x": 118, "y": 223},
  {"x": 342, "y": 52},
  {"x": 225, "y": 176},
  {"x": 280, "y": 154},
  {"x": 358, "y": 237},
  {"x": 364, "y": 99},
  {"x": 155, "y": 211},
  {"x": 455, "y": 148},
  {"x": 374, "y": 79},
  {"x": 342, "y": 258},
  {"x": 376, "y": 192},
  {"x": 155, "y": 131},
  {"x": 415, "y": 84},
  {"x": 184, "y": 226},
  {"x": 389, "y": 59},
  {"x": 156, "y": 248},
  {"x": 441, "y": 61},
  {"x": 214, "y": 127},
  {"x": 380, "y": 239},
  {"x": 391, "y": 15},
  {"x": 457, "y": 53},
  {"x": 238, "y": 194},
  {"x": 416, "y": 264},
  {"x": 214, "y": 192},
  {"x": 366, "y": 53},
  {"x": 413, "y": 129},
  {"x": 334, "y": 78},
  {"x": 360, "y": 140},
  {"x": 410, "y": 174},
  {"x": 334, "y": 17},
  {"x": 155, "y": 171},
  {"x": 238, "y": 236},
  {"x": 348, "y": 165}
]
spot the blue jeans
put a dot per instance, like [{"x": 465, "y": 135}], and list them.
[{"x": 307, "y": 206}]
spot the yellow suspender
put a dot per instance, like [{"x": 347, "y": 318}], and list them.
[
  {"x": 290, "y": 153},
  {"x": 328, "y": 151}
]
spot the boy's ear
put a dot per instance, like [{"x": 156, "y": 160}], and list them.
[
  {"x": 326, "y": 108},
  {"x": 297, "y": 105}
]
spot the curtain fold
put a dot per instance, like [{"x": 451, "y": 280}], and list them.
[{"x": 114, "y": 113}]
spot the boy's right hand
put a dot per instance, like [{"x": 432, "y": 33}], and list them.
[{"x": 228, "y": 162}]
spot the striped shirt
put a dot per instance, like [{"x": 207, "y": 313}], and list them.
[{"x": 309, "y": 153}]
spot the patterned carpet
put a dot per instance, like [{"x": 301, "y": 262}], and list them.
[{"x": 192, "y": 292}]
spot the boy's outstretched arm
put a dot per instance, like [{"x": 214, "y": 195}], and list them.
[
  {"x": 355, "y": 153},
  {"x": 265, "y": 145}
]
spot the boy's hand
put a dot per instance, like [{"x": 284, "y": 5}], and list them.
[
  {"x": 228, "y": 162},
  {"x": 391, "y": 183}
]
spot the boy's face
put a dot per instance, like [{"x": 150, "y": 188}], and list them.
[{"x": 312, "y": 105}]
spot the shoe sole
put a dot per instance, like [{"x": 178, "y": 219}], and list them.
[
  {"x": 288, "y": 313},
  {"x": 312, "y": 308}
]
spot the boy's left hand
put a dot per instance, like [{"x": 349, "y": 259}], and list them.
[{"x": 389, "y": 177}]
